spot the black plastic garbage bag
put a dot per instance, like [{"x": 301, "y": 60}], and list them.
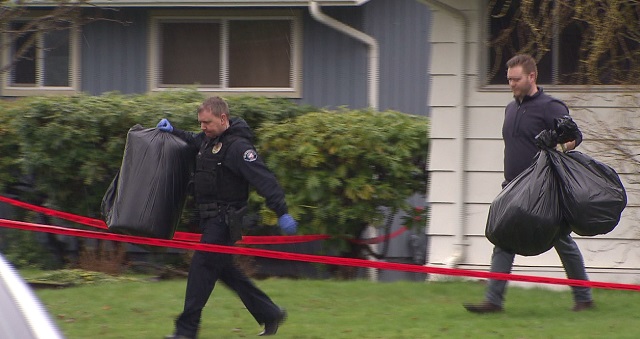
[
  {"x": 147, "y": 196},
  {"x": 526, "y": 218},
  {"x": 565, "y": 129},
  {"x": 592, "y": 195}
]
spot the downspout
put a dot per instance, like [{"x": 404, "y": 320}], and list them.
[
  {"x": 374, "y": 50},
  {"x": 373, "y": 78},
  {"x": 460, "y": 243}
]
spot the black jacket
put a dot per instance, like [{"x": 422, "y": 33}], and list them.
[
  {"x": 522, "y": 122},
  {"x": 228, "y": 164}
]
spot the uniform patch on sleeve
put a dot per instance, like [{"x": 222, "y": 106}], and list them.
[{"x": 250, "y": 155}]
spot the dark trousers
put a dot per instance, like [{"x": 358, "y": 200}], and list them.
[
  {"x": 206, "y": 268},
  {"x": 570, "y": 256}
]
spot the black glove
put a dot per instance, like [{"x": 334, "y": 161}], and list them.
[
  {"x": 546, "y": 139},
  {"x": 566, "y": 129}
]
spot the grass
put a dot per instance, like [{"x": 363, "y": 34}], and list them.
[{"x": 323, "y": 309}]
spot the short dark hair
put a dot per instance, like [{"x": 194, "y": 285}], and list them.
[
  {"x": 216, "y": 105},
  {"x": 527, "y": 62}
]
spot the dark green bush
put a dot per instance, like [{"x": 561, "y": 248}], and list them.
[
  {"x": 72, "y": 146},
  {"x": 338, "y": 168},
  {"x": 9, "y": 148}
]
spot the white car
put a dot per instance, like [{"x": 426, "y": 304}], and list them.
[{"x": 23, "y": 314}]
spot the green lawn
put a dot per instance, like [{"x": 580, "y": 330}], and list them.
[{"x": 327, "y": 309}]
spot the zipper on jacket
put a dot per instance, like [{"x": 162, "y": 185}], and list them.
[{"x": 516, "y": 125}]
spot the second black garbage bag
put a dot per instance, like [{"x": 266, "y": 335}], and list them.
[{"x": 592, "y": 195}]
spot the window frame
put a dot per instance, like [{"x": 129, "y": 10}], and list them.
[
  {"x": 74, "y": 69},
  {"x": 223, "y": 17}
]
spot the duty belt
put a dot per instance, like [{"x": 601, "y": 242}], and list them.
[{"x": 210, "y": 210}]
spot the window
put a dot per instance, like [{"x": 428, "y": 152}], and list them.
[
  {"x": 40, "y": 62},
  {"x": 569, "y": 47},
  {"x": 258, "y": 54}
]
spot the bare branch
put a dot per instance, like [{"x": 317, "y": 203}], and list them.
[{"x": 65, "y": 15}]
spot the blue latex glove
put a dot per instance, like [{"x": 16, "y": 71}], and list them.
[
  {"x": 287, "y": 224},
  {"x": 164, "y": 125}
]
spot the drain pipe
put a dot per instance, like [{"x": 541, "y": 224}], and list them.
[
  {"x": 373, "y": 78},
  {"x": 460, "y": 242},
  {"x": 374, "y": 49}
]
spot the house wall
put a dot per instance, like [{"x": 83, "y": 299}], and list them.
[
  {"x": 402, "y": 30},
  {"x": 335, "y": 66},
  {"x": 466, "y": 157},
  {"x": 335, "y": 70}
]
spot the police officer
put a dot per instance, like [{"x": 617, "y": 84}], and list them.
[{"x": 226, "y": 163}]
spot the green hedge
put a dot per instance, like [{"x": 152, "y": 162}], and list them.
[
  {"x": 72, "y": 146},
  {"x": 337, "y": 167}
]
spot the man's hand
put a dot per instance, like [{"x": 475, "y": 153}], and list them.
[
  {"x": 164, "y": 125},
  {"x": 287, "y": 224},
  {"x": 546, "y": 139},
  {"x": 566, "y": 129},
  {"x": 567, "y": 146}
]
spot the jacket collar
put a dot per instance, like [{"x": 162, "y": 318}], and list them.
[{"x": 531, "y": 97}]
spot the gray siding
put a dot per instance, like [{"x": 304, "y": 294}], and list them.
[
  {"x": 114, "y": 56},
  {"x": 402, "y": 30},
  {"x": 335, "y": 65}
]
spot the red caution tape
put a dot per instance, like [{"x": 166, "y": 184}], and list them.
[
  {"x": 380, "y": 238},
  {"x": 184, "y": 236},
  {"x": 310, "y": 258},
  {"x": 50, "y": 212},
  {"x": 187, "y": 236}
]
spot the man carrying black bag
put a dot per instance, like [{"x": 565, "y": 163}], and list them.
[
  {"x": 532, "y": 112},
  {"x": 226, "y": 164}
]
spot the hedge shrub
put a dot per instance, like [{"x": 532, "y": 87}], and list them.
[
  {"x": 70, "y": 147},
  {"x": 337, "y": 167}
]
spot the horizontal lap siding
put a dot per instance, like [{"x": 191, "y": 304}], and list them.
[{"x": 607, "y": 119}]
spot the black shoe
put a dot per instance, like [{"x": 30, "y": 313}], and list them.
[
  {"x": 175, "y": 336},
  {"x": 271, "y": 327},
  {"x": 483, "y": 307},
  {"x": 582, "y": 305}
]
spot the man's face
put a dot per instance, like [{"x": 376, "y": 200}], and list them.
[
  {"x": 212, "y": 125},
  {"x": 521, "y": 83}
]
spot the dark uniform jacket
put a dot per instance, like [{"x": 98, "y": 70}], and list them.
[
  {"x": 522, "y": 122},
  {"x": 228, "y": 164}
]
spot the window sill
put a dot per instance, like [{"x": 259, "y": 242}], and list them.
[
  {"x": 36, "y": 91},
  {"x": 568, "y": 88},
  {"x": 283, "y": 93}
]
